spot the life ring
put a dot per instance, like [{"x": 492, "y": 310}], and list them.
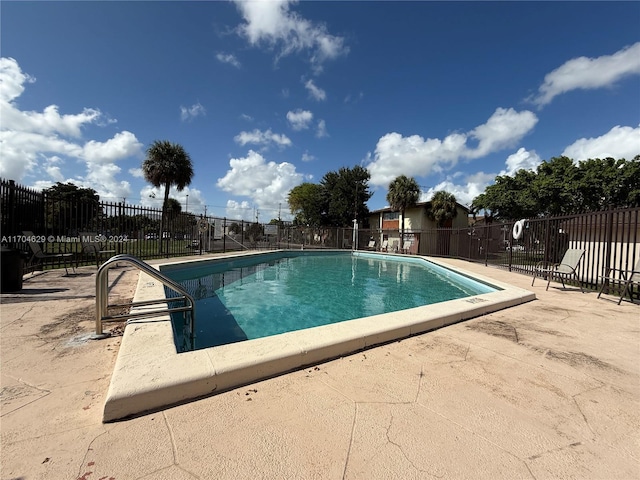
[
  {"x": 518, "y": 227},
  {"x": 203, "y": 225}
]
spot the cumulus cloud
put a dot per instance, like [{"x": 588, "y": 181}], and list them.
[
  {"x": 274, "y": 24},
  {"x": 416, "y": 156},
  {"x": 262, "y": 138},
  {"x": 589, "y": 73},
  {"x": 300, "y": 119},
  {"x": 464, "y": 193},
  {"x": 521, "y": 160},
  {"x": 307, "y": 157},
  {"x": 239, "y": 210},
  {"x": 228, "y": 58},
  {"x": 619, "y": 142},
  {"x": 265, "y": 183},
  {"x": 40, "y": 144},
  {"x": 314, "y": 91},
  {"x": 189, "y": 113}
]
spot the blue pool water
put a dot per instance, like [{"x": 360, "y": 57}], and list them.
[{"x": 257, "y": 297}]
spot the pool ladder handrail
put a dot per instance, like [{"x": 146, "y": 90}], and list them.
[{"x": 102, "y": 296}]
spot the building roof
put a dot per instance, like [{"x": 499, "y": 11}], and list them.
[{"x": 419, "y": 204}]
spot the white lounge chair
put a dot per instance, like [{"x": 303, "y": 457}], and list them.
[
  {"x": 624, "y": 278},
  {"x": 567, "y": 268}
]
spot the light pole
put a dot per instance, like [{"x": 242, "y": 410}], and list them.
[{"x": 187, "y": 207}]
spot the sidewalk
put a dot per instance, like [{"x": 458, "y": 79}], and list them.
[{"x": 548, "y": 389}]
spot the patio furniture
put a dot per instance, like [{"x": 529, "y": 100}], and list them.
[
  {"x": 385, "y": 246},
  {"x": 625, "y": 278},
  {"x": 372, "y": 245},
  {"x": 567, "y": 268},
  {"x": 91, "y": 246},
  {"x": 38, "y": 253}
]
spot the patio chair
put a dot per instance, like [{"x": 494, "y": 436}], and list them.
[
  {"x": 38, "y": 253},
  {"x": 407, "y": 246},
  {"x": 372, "y": 245},
  {"x": 91, "y": 246},
  {"x": 385, "y": 246},
  {"x": 567, "y": 268},
  {"x": 625, "y": 278}
]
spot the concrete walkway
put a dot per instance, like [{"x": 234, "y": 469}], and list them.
[{"x": 549, "y": 389}]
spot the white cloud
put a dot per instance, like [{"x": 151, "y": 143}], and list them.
[
  {"x": 228, "y": 58},
  {"x": 521, "y": 160},
  {"x": 189, "y": 113},
  {"x": 265, "y": 183},
  {"x": 504, "y": 129},
  {"x": 246, "y": 117},
  {"x": 272, "y": 23},
  {"x": 315, "y": 92},
  {"x": 40, "y": 144},
  {"x": 13, "y": 79},
  {"x": 589, "y": 73},
  {"x": 464, "y": 193},
  {"x": 415, "y": 156},
  {"x": 262, "y": 138},
  {"x": 619, "y": 142},
  {"x": 239, "y": 210},
  {"x": 321, "y": 131},
  {"x": 124, "y": 144},
  {"x": 300, "y": 119},
  {"x": 307, "y": 157},
  {"x": 136, "y": 172}
]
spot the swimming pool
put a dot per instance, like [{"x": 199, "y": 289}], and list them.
[
  {"x": 150, "y": 373},
  {"x": 258, "y": 297}
]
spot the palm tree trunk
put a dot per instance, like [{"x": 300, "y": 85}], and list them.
[
  {"x": 401, "y": 233},
  {"x": 164, "y": 216}
]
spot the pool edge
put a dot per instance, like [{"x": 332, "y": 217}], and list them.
[{"x": 150, "y": 375}]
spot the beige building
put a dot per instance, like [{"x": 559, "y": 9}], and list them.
[{"x": 388, "y": 223}]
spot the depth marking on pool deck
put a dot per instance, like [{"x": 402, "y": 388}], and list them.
[{"x": 149, "y": 374}]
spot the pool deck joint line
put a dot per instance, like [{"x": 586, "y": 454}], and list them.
[{"x": 150, "y": 375}]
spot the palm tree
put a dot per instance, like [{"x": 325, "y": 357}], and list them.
[
  {"x": 167, "y": 164},
  {"x": 443, "y": 208},
  {"x": 403, "y": 193}
]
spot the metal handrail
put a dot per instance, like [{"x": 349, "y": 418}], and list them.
[{"x": 102, "y": 296}]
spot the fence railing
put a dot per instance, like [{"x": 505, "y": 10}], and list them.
[{"x": 610, "y": 238}]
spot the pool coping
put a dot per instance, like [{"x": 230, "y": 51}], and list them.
[{"x": 150, "y": 375}]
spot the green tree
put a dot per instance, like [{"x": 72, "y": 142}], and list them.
[
  {"x": 604, "y": 183},
  {"x": 443, "y": 208},
  {"x": 556, "y": 185},
  {"x": 71, "y": 206},
  {"x": 509, "y": 198},
  {"x": 306, "y": 203},
  {"x": 562, "y": 187},
  {"x": 403, "y": 193},
  {"x": 167, "y": 164},
  {"x": 346, "y": 193}
]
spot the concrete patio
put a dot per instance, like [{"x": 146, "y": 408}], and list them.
[{"x": 549, "y": 389}]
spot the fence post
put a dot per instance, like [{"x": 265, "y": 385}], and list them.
[{"x": 224, "y": 236}]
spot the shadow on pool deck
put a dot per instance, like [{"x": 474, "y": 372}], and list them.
[{"x": 547, "y": 389}]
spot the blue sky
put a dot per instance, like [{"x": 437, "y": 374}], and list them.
[{"x": 267, "y": 95}]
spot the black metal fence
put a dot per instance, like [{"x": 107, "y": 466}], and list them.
[{"x": 609, "y": 238}]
